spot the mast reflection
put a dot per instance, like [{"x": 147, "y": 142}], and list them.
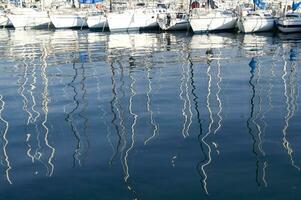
[
  {"x": 289, "y": 82},
  {"x": 4, "y": 132}
]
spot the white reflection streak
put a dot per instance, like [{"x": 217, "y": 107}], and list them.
[
  {"x": 289, "y": 115},
  {"x": 45, "y": 109},
  {"x": 32, "y": 88},
  {"x": 25, "y": 107},
  {"x": 133, "y": 93},
  {"x": 149, "y": 109},
  {"x": 208, "y": 133},
  {"x": 5, "y": 141},
  {"x": 189, "y": 102},
  {"x": 259, "y": 146},
  {"x": 184, "y": 102},
  {"x": 25, "y": 100},
  {"x": 220, "y": 106},
  {"x": 265, "y": 165}
]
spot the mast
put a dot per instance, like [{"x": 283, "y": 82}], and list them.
[
  {"x": 43, "y": 5},
  {"x": 73, "y": 4}
]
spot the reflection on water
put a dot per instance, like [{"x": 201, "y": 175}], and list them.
[
  {"x": 5, "y": 160},
  {"x": 149, "y": 116}
]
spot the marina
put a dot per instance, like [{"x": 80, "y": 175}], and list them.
[
  {"x": 150, "y": 100},
  {"x": 126, "y": 16}
]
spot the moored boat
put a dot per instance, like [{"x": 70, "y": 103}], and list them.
[
  {"x": 141, "y": 17},
  {"x": 173, "y": 21},
  {"x": 210, "y": 18},
  {"x": 291, "y": 21},
  {"x": 255, "y": 21},
  {"x": 29, "y": 18}
]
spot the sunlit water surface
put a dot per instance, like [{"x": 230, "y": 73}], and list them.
[{"x": 87, "y": 115}]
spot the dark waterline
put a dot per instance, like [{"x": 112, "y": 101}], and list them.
[{"x": 90, "y": 115}]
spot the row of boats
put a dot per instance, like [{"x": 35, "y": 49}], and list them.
[{"x": 200, "y": 17}]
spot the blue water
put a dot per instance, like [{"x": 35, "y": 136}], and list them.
[{"x": 88, "y": 115}]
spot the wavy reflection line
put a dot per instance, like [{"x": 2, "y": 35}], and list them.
[
  {"x": 84, "y": 137},
  {"x": 133, "y": 131},
  {"x": 22, "y": 90},
  {"x": 198, "y": 115},
  {"x": 120, "y": 111},
  {"x": 4, "y": 136},
  {"x": 153, "y": 122},
  {"x": 113, "y": 105},
  {"x": 289, "y": 95},
  {"x": 69, "y": 117},
  {"x": 45, "y": 102},
  {"x": 260, "y": 130},
  {"x": 135, "y": 116},
  {"x": 31, "y": 91},
  {"x": 188, "y": 100},
  {"x": 252, "y": 119},
  {"x": 207, "y": 163},
  {"x": 265, "y": 165},
  {"x": 184, "y": 101},
  {"x": 219, "y": 89},
  {"x": 22, "y": 83}
]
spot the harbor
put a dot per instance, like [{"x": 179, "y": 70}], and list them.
[
  {"x": 96, "y": 105},
  {"x": 126, "y": 16}
]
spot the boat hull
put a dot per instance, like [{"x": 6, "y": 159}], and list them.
[
  {"x": 212, "y": 23},
  {"x": 289, "y": 25},
  {"x": 68, "y": 21},
  {"x": 255, "y": 24},
  {"x": 179, "y": 25},
  {"x": 131, "y": 21},
  {"x": 97, "y": 22},
  {"x": 40, "y": 20}
]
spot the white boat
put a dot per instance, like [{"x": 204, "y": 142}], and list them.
[
  {"x": 134, "y": 19},
  {"x": 289, "y": 23},
  {"x": 173, "y": 21},
  {"x": 206, "y": 20},
  {"x": 69, "y": 18},
  {"x": 29, "y": 18},
  {"x": 251, "y": 21},
  {"x": 97, "y": 20}
]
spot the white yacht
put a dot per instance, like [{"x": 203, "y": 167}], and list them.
[
  {"x": 97, "y": 20},
  {"x": 251, "y": 21},
  {"x": 69, "y": 18},
  {"x": 141, "y": 17},
  {"x": 289, "y": 23},
  {"x": 206, "y": 20},
  {"x": 173, "y": 21},
  {"x": 29, "y": 18},
  {"x": 208, "y": 17},
  {"x": 291, "y": 20}
]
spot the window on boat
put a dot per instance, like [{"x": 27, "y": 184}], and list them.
[
  {"x": 161, "y": 5},
  {"x": 253, "y": 14},
  {"x": 292, "y": 16},
  {"x": 140, "y": 4}
]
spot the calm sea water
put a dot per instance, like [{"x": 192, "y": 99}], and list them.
[{"x": 87, "y": 115}]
